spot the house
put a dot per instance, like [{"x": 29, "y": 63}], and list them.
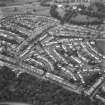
[
  {"x": 72, "y": 2},
  {"x": 68, "y": 2}
]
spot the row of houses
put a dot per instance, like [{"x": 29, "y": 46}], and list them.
[
  {"x": 69, "y": 2},
  {"x": 76, "y": 1}
]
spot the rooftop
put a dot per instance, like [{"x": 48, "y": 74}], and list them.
[{"x": 75, "y": 2}]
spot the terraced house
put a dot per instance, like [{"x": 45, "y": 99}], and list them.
[
  {"x": 72, "y": 1},
  {"x": 76, "y": 2}
]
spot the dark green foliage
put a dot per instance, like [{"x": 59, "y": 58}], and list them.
[
  {"x": 96, "y": 10},
  {"x": 37, "y": 92},
  {"x": 45, "y": 2},
  {"x": 54, "y": 13},
  {"x": 5, "y": 2}
]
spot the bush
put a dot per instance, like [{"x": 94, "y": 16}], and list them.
[{"x": 2, "y": 5}]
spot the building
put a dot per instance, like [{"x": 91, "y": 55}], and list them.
[
  {"x": 76, "y": 2},
  {"x": 72, "y": 2},
  {"x": 68, "y": 2}
]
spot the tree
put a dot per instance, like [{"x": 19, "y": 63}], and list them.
[
  {"x": 45, "y": 2},
  {"x": 54, "y": 13}
]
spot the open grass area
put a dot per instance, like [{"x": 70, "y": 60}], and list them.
[{"x": 22, "y": 6}]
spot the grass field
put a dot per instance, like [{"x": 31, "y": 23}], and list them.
[{"x": 23, "y": 6}]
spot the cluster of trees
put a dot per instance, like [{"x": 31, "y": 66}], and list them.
[
  {"x": 31, "y": 90},
  {"x": 54, "y": 13},
  {"x": 5, "y": 2},
  {"x": 94, "y": 10},
  {"x": 45, "y": 2}
]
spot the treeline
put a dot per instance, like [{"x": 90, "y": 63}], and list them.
[
  {"x": 5, "y": 2},
  {"x": 96, "y": 10}
]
